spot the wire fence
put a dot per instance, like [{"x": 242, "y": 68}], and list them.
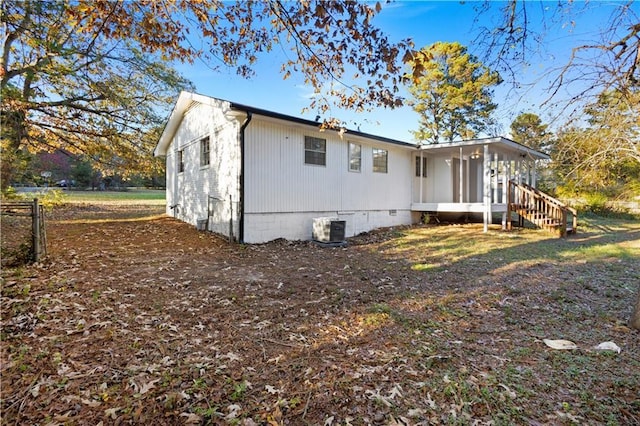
[{"x": 23, "y": 237}]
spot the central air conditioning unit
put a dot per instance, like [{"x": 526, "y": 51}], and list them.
[{"x": 329, "y": 229}]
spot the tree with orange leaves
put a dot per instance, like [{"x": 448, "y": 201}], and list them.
[{"x": 91, "y": 76}]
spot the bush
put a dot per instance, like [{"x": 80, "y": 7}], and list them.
[
  {"x": 49, "y": 198},
  {"x": 10, "y": 194},
  {"x": 596, "y": 202}
]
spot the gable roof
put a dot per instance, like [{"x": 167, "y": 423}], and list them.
[
  {"x": 183, "y": 103},
  {"x": 187, "y": 99}
]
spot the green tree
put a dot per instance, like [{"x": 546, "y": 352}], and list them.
[
  {"x": 527, "y": 129},
  {"x": 87, "y": 75},
  {"x": 81, "y": 91},
  {"x": 606, "y": 61},
  {"x": 605, "y": 156},
  {"x": 452, "y": 93},
  {"x": 82, "y": 172}
]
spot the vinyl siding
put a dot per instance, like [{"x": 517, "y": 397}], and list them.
[
  {"x": 278, "y": 180},
  {"x": 215, "y": 187},
  {"x": 284, "y": 195}
]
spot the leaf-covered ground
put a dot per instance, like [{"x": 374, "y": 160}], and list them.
[{"x": 139, "y": 319}]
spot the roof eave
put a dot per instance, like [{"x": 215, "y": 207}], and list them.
[
  {"x": 185, "y": 99},
  {"x": 493, "y": 140},
  {"x": 305, "y": 122}
]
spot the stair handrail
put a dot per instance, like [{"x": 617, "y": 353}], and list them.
[
  {"x": 544, "y": 195},
  {"x": 552, "y": 202}
]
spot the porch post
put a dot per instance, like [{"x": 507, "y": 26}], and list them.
[
  {"x": 533, "y": 173},
  {"x": 505, "y": 187},
  {"x": 461, "y": 176},
  {"x": 519, "y": 170},
  {"x": 421, "y": 173},
  {"x": 487, "y": 188},
  {"x": 496, "y": 178},
  {"x": 468, "y": 181}
]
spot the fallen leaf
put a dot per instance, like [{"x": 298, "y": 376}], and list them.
[
  {"x": 234, "y": 410},
  {"x": 111, "y": 412},
  {"x": 191, "y": 418},
  {"x": 272, "y": 390},
  {"x": 148, "y": 386},
  {"x": 608, "y": 346},
  {"x": 91, "y": 402},
  {"x": 560, "y": 344},
  {"x": 511, "y": 394},
  {"x": 35, "y": 391},
  {"x": 415, "y": 412}
]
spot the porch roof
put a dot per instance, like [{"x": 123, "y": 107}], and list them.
[{"x": 497, "y": 144}]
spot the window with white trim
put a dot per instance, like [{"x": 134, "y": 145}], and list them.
[
  {"x": 380, "y": 157},
  {"x": 315, "y": 151},
  {"x": 205, "y": 151},
  {"x": 355, "y": 157}
]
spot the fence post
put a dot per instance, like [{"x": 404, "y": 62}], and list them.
[
  {"x": 43, "y": 233},
  {"x": 35, "y": 224}
]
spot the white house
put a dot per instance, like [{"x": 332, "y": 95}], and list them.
[{"x": 258, "y": 175}]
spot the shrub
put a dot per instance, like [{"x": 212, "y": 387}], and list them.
[{"x": 49, "y": 198}]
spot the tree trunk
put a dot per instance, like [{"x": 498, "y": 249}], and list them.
[{"x": 635, "y": 316}]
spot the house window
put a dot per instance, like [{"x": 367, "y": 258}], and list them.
[
  {"x": 315, "y": 151},
  {"x": 355, "y": 157},
  {"x": 205, "y": 151},
  {"x": 180, "y": 162},
  {"x": 380, "y": 160},
  {"x": 424, "y": 167}
]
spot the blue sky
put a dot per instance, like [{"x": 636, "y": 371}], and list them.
[{"x": 425, "y": 22}]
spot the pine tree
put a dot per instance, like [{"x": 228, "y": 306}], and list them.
[{"x": 452, "y": 93}]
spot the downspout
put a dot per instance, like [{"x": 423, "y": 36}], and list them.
[{"x": 241, "y": 201}]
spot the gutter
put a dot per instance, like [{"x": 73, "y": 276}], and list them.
[
  {"x": 288, "y": 118},
  {"x": 242, "y": 161}
]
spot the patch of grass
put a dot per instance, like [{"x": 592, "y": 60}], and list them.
[
  {"x": 380, "y": 308},
  {"x": 375, "y": 319},
  {"x": 133, "y": 196},
  {"x": 239, "y": 390}
]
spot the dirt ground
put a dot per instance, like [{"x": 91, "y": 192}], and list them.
[{"x": 135, "y": 319}]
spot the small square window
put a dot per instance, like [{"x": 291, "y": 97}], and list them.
[
  {"x": 422, "y": 171},
  {"x": 315, "y": 151},
  {"x": 355, "y": 157},
  {"x": 380, "y": 160},
  {"x": 205, "y": 151}
]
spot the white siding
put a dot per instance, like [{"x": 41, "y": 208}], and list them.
[
  {"x": 283, "y": 194},
  {"x": 263, "y": 227},
  {"x": 171, "y": 179},
  {"x": 205, "y": 191},
  {"x": 441, "y": 180}
]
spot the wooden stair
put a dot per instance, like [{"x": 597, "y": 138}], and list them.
[{"x": 540, "y": 209}]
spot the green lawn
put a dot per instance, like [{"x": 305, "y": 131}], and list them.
[{"x": 132, "y": 196}]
